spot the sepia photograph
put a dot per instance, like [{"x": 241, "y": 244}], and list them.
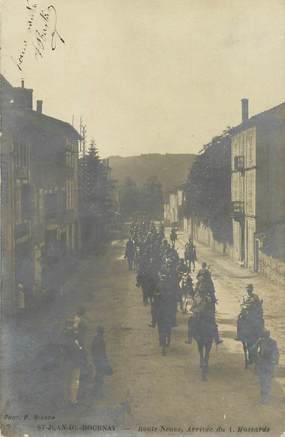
[{"x": 142, "y": 218}]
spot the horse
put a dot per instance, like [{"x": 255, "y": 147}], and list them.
[
  {"x": 202, "y": 327},
  {"x": 186, "y": 293},
  {"x": 190, "y": 256},
  {"x": 203, "y": 333},
  {"x": 250, "y": 328}
]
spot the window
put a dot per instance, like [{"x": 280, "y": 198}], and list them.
[
  {"x": 239, "y": 163},
  {"x": 22, "y": 155}
]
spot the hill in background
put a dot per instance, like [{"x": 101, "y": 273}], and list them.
[{"x": 170, "y": 169}]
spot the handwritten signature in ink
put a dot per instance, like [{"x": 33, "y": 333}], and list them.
[{"x": 37, "y": 34}]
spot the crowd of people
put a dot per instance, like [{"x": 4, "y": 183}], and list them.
[
  {"x": 166, "y": 282},
  {"x": 167, "y": 285}
]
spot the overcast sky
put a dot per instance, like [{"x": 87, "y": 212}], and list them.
[{"x": 150, "y": 75}]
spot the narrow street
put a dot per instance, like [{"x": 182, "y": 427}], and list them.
[{"x": 146, "y": 388}]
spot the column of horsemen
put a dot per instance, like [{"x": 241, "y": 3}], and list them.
[{"x": 167, "y": 284}]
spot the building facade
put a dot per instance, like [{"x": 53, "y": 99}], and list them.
[
  {"x": 257, "y": 160},
  {"x": 173, "y": 207},
  {"x": 39, "y": 206}
]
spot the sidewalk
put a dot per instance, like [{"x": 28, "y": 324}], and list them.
[{"x": 230, "y": 280}]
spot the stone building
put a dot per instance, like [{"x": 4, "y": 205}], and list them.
[
  {"x": 173, "y": 207},
  {"x": 39, "y": 217},
  {"x": 258, "y": 200}
]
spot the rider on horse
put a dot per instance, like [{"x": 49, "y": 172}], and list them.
[
  {"x": 203, "y": 308},
  {"x": 251, "y": 314},
  {"x": 205, "y": 280}
]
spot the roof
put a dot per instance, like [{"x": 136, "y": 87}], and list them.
[
  {"x": 27, "y": 124},
  {"x": 273, "y": 116}
]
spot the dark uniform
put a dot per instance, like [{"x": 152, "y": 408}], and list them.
[
  {"x": 173, "y": 237},
  {"x": 203, "y": 307},
  {"x": 165, "y": 321},
  {"x": 130, "y": 253},
  {"x": 205, "y": 282},
  {"x": 267, "y": 357},
  {"x": 155, "y": 303},
  {"x": 250, "y": 320},
  {"x": 100, "y": 361}
]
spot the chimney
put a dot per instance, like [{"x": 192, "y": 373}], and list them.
[
  {"x": 39, "y": 106},
  {"x": 244, "y": 110},
  {"x": 22, "y": 83}
]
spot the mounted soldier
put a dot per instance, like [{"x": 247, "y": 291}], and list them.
[
  {"x": 203, "y": 328},
  {"x": 186, "y": 292},
  {"x": 190, "y": 254},
  {"x": 203, "y": 307},
  {"x": 251, "y": 312},
  {"x": 204, "y": 272},
  {"x": 250, "y": 323},
  {"x": 205, "y": 282},
  {"x": 181, "y": 268}
]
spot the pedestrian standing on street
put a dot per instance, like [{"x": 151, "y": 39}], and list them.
[
  {"x": 21, "y": 300},
  {"x": 76, "y": 359},
  {"x": 79, "y": 325},
  {"x": 155, "y": 307},
  {"x": 190, "y": 254},
  {"x": 100, "y": 361},
  {"x": 173, "y": 237},
  {"x": 267, "y": 357},
  {"x": 165, "y": 321},
  {"x": 130, "y": 253}
]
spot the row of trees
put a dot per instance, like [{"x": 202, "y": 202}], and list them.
[
  {"x": 96, "y": 200},
  {"x": 208, "y": 188},
  {"x": 147, "y": 199}
]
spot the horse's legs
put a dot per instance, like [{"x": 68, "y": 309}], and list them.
[
  {"x": 189, "y": 262},
  {"x": 207, "y": 355},
  {"x": 168, "y": 338},
  {"x": 245, "y": 350},
  {"x": 144, "y": 296},
  {"x": 201, "y": 353},
  {"x": 203, "y": 364},
  {"x": 251, "y": 354},
  {"x": 162, "y": 342}
]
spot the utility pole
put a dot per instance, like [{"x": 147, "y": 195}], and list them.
[{"x": 83, "y": 135}]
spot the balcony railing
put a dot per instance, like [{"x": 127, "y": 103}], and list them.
[{"x": 237, "y": 210}]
